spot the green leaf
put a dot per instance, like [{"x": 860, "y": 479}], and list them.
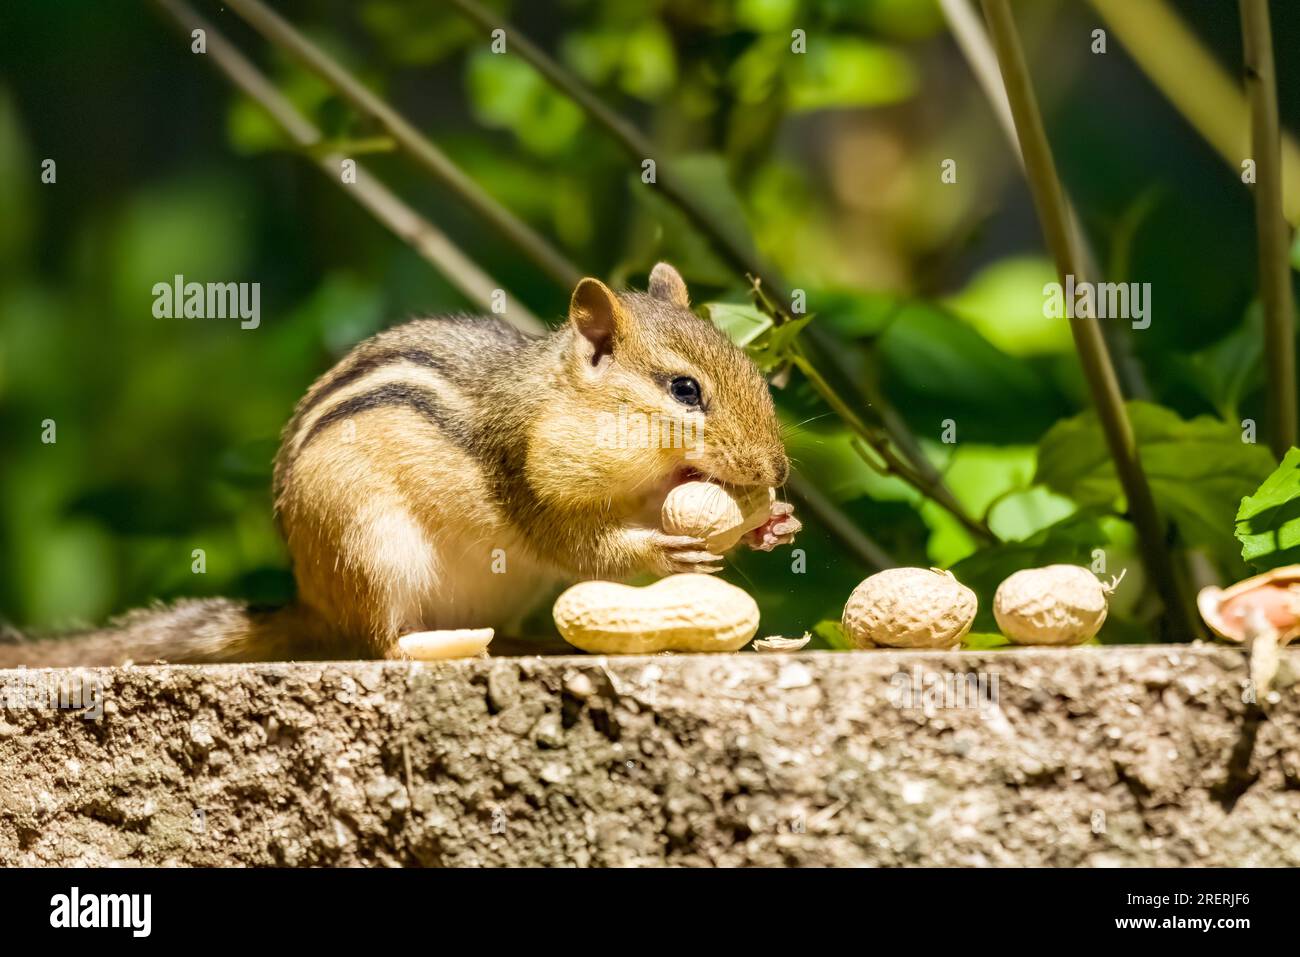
[
  {"x": 845, "y": 72},
  {"x": 1004, "y": 302},
  {"x": 1199, "y": 470},
  {"x": 752, "y": 329},
  {"x": 507, "y": 92},
  {"x": 353, "y": 147},
  {"x": 1268, "y": 522},
  {"x": 1068, "y": 542},
  {"x": 1229, "y": 370},
  {"x": 707, "y": 179},
  {"x": 936, "y": 367},
  {"x": 742, "y": 322},
  {"x": 249, "y": 464},
  {"x": 642, "y": 56},
  {"x": 416, "y": 34},
  {"x": 983, "y": 641},
  {"x": 832, "y": 633},
  {"x": 765, "y": 16},
  {"x": 17, "y": 171},
  {"x": 856, "y": 315},
  {"x": 704, "y": 177},
  {"x": 251, "y": 130},
  {"x": 773, "y": 349}
]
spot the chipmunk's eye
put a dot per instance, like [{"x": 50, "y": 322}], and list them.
[{"x": 685, "y": 390}]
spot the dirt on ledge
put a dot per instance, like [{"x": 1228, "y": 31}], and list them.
[{"x": 1092, "y": 756}]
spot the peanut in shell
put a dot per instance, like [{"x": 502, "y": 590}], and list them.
[{"x": 909, "y": 608}]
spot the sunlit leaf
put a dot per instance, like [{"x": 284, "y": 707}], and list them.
[
  {"x": 742, "y": 322},
  {"x": 642, "y": 57},
  {"x": 1268, "y": 522},
  {"x": 831, "y": 632},
  {"x": 775, "y": 348},
  {"x": 983, "y": 641},
  {"x": 765, "y": 16},
  {"x": 507, "y": 92},
  {"x": 838, "y": 72},
  {"x": 251, "y": 130},
  {"x": 649, "y": 63},
  {"x": 1004, "y": 302}
]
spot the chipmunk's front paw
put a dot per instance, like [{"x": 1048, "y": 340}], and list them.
[
  {"x": 675, "y": 554},
  {"x": 779, "y": 529}
]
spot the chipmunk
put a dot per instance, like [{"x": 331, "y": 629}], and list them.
[{"x": 450, "y": 473}]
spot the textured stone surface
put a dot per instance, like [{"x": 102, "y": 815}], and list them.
[{"x": 1090, "y": 756}]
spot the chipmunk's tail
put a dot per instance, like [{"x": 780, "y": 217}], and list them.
[{"x": 193, "y": 631}]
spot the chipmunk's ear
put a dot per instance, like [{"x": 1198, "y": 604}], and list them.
[
  {"x": 598, "y": 317},
  {"x": 666, "y": 283}
]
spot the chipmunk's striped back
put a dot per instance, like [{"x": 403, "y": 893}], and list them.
[{"x": 433, "y": 367}]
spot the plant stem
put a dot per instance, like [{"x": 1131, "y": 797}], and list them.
[
  {"x": 879, "y": 443},
  {"x": 401, "y": 219},
  {"x": 968, "y": 31},
  {"x": 640, "y": 148},
  {"x": 843, "y": 527},
  {"x": 283, "y": 34},
  {"x": 973, "y": 41},
  {"x": 1049, "y": 200},
  {"x": 1270, "y": 227},
  {"x": 1194, "y": 82}
]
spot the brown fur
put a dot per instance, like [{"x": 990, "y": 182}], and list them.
[{"x": 438, "y": 449}]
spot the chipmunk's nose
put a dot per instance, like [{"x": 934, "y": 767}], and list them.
[{"x": 780, "y": 469}]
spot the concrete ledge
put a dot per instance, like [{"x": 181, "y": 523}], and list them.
[{"x": 1115, "y": 756}]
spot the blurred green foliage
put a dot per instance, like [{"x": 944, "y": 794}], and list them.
[{"x": 826, "y": 163}]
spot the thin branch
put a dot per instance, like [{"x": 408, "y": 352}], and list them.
[
  {"x": 639, "y": 147},
  {"x": 1049, "y": 200},
  {"x": 927, "y": 481},
  {"x": 891, "y": 463},
  {"x": 401, "y": 219},
  {"x": 1196, "y": 84},
  {"x": 843, "y": 527},
  {"x": 1270, "y": 226},
  {"x": 281, "y": 33}
]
